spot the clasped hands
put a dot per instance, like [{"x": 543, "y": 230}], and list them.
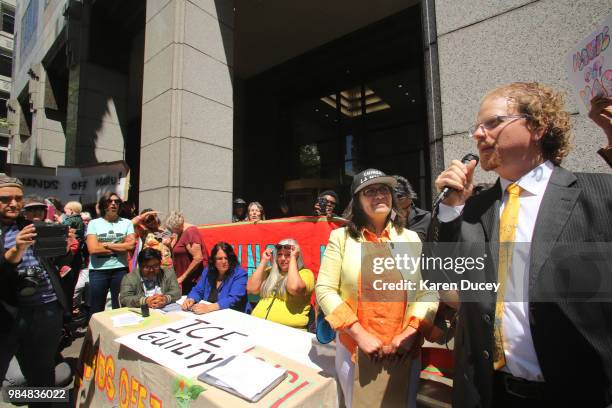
[
  {"x": 156, "y": 301},
  {"x": 401, "y": 347}
]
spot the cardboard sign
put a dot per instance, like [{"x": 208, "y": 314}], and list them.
[
  {"x": 589, "y": 66},
  {"x": 111, "y": 375},
  {"x": 189, "y": 346},
  {"x": 85, "y": 184}
]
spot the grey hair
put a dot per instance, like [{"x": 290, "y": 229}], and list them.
[
  {"x": 174, "y": 220},
  {"x": 276, "y": 282},
  {"x": 259, "y": 206},
  {"x": 86, "y": 214}
]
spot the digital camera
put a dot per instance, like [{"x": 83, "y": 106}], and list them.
[{"x": 29, "y": 279}]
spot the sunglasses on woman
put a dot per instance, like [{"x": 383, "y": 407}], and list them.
[
  {"x": 281, "y": 247},
  {"x": 375, "y": 191}
]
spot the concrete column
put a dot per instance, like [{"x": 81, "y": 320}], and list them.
[
  {"x": 186, "y": 156},
  {"x": 77, "y": 43},
  {"x": 48, "y": 133}
]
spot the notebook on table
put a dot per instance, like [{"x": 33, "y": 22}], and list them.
[{"x": 244, "y": 376}]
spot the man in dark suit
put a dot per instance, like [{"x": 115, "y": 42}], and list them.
[{"x": 531, "y": 342}]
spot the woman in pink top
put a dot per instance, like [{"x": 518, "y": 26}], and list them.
[{"x": 189, "y": 254}]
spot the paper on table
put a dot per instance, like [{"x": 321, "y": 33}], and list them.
[
  {"x": 126, "y": 319},
  {"x": 171, "y": 307},
  {"x": 245, "y": 375}
]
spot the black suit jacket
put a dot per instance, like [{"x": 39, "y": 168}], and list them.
[{"x": 572, "y": 339}]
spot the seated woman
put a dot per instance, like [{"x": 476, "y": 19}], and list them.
[
  {"x": 150, "y": 283},
  {"x": 223, "y": 284},
  {"x": 285, "y": 287}
]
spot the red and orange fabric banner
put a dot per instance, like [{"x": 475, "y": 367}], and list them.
[{"x": 249, "y": 239}]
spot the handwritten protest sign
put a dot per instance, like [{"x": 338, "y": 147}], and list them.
[
  {"x": 589, "y": 66},
  {"x": 189, "y": 346},
  {"x": 85, "y": 184}
]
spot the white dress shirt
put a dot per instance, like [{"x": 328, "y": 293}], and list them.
[{"x": 521, "y": 359}]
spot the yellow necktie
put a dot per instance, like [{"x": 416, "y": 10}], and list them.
[{"x": 507, "y": 233}]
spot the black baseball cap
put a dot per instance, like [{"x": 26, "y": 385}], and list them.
[{"x": 369, "y": 177}]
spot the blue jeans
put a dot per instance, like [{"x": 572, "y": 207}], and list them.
[{"x": 100, "y": 280}]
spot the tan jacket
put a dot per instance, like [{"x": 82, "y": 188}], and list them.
[{"x": 339, "y": 273}]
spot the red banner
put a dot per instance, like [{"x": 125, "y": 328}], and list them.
[{"x": 250, "y": 240}]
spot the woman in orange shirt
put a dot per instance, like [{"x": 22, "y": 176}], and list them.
[{"x": 378, "y": 330}]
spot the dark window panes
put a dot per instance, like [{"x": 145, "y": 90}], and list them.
[
  {"x": 3, "y": 110},
  {"x": 6, "y": 63},
  {"x": 4, "y": 141},
  {"x": 8, "y": 20},
  {"x": 3, "y": 157},
  {"x": 310, "y": 161}
]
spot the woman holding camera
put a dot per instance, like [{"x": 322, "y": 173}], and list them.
[
  {"x": 285, "y": 287},
  {"x": 378, "y": 330},
  {"x": 109, "y": 239}
]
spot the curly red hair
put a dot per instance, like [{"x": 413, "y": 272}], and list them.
[{"x": 546, "y": 110}]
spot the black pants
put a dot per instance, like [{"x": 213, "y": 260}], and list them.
[{"x": 34, "y": 340}]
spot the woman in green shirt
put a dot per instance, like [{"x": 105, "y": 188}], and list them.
[{"x": 109, "y": 239}]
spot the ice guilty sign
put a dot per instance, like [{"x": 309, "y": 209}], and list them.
[{"x": 189, "y": 346}]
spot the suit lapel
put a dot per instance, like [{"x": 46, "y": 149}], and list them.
[{"x": 556, "y": 207}]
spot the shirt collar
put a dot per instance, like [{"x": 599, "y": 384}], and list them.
[
  {"x": 372, "y": 237},
  {"x": 534, "y": 182}
]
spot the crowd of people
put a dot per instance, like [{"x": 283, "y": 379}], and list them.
[{"x": 506, "y": 353}]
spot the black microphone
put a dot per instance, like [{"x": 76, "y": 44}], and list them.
[{"x": 447, "y": 190}]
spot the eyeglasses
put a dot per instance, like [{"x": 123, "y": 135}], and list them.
[
  {"x": 375, "y": 191},
  {"x": 493, "y": 122},
  {"x": 281, "y": 247},
  {"x": 9, "y": 199},
  {"x": 151, "y": 267}
]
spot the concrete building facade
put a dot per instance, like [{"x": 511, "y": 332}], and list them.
[
  {"x": 274, "y": 100},
  {"x": 7, "y": 28}
]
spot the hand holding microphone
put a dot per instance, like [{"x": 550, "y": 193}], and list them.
[{"x": 455, "y": 183}]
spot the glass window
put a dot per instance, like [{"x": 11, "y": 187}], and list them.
[
  {"x": 3, "y": 110},
  {"x": 310, "y": 161},
  {"x": 8, "y": 20},
  {"x": 6, "y": 62},
  {"x": 3, "y": 157}
]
